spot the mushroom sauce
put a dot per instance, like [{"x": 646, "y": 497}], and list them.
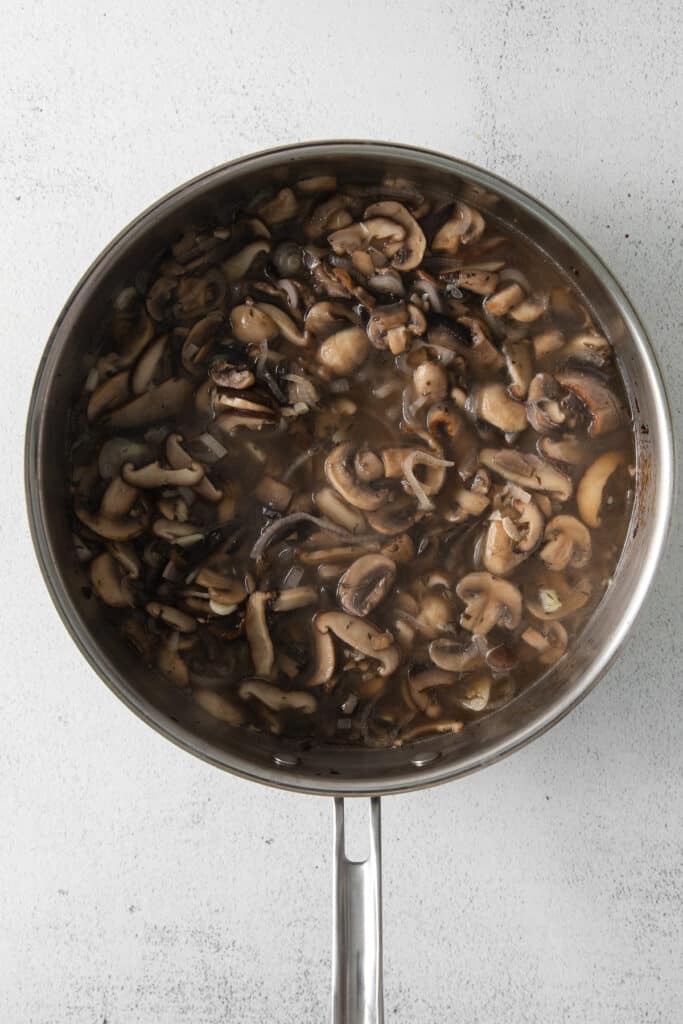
[{"x": 354, "y": 467}]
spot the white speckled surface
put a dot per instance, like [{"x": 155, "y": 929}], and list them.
[{"x": 139, "y": 885}]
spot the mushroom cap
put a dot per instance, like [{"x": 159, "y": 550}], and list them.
[
  {"x": 490, "y": 601},
  {"x": 410, "y": 250},
  {"x": 345, "y": 351},
  {"x": 567, "y": 543},
  {"x": 605, "y": 409},
  {"x": 340, "y": 474},
  {"x": 361, "y": 635},
  {"x": 543, "y": 408},
  {"x": 591, "y": 489},
  {"x": 366, "y": 583},
  {"x": 528, "y": 471}
]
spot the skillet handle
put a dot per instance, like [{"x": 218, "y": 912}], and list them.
[{"x": 357, "y": 992}]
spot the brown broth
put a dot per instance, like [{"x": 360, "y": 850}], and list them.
[{"x": 205, "y": 649}]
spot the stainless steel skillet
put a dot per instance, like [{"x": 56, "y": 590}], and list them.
[{"x": 357, "y": 986}]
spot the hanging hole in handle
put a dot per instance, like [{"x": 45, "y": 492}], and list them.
[{"x": 356, "y": 830}]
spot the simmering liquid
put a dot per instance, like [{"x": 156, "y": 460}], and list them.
[{"x": 355, "y": 467}]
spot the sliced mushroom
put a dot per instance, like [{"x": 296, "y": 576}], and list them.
[
  {"x": 178, "y": 458},
  {"x": 322, "y": 317},
  {"x": 454, "y": 656},
  {"x": 492, "y": 403},
  {"x": 171, "y": 663},
  {"x": 502, "y": 301},
  {"x": 544, "y": 404},
  {"x": 335, "y": 508},
  {"x": 489, "y": 601},
  {"x": 295, "y": 597},
  {"x": 163, "y": 402},
  {"x": 340, "y": 473},
  {"x": 118, "y": 499},
  {"x": 112, "y": 393},
  {"x": 124, "y": 528},
  {"x": 333, "y": 213},
  {"x": 273, "y": 493},
  {"x": 549, "y": 640},
  {"x": 426, "y": 680},
  {"x": 237, "y": 266},
  {"x": 588, "y": 348},
  {"x": 376, "y": 232},
  {"x": 520, "y": 367},
  {"x": 258, "y": 635},
  {"x": 284, "y": 323},
  {"x": 366, "y": 583},
  {"x": 527, "y": 471},
  {"x": 408, "y": 252},
  {"x": 591, "y": 489},
  {"x": 345, "y": 351},
  {"x": 567, "y": 449},
  {"x": 252, "y": 325},
  {"x": 362, "y": 636},
  {"x": 109, "y": 583},
  {"x": 483, "y": 356},
  {"x": 606, "y": 411},
  {"x": 218, "y": 706},
  {"x": 555, "y": 597},
  {"x": 430, "y": 381},
  {"x": 451, "y": 427},
  {"x": 147, "y": 365},
  {"x": 476, "y": 693},
  {"x": 395, "y": 517},
  {"x": 156, "y": 475},
  {"x": 394, "y": 326},
  {"x": 399, "y": 549},
  {"x": 171, "y": 616},
  {"x": 275, "y": 698},
  {"x": 279, "y": 208},
  {"x": 323, "y": 657},
  {"x": 467, "y": 225},
  {"x": 567, "y": 544}
]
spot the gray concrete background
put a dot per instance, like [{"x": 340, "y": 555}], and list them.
[{"x": 139, "y": 885}]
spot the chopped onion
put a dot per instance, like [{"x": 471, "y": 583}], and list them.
[
  {"x": 293, "y": 577},
  {"x": 423, "y": 459},
  {"x": 281, "y": 527},
  {"x": 429, "y": 291},
  {"x": 213, "y": 445}
]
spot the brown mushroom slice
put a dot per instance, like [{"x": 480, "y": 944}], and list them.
[
  {"x": 482, "y": 356},
  {"x": 450, "y": 426},
  {"x": 567, "y": 544},
  {"x": 184, "y": 535},
  {"x": 499, "y": 555},
  {"x": 426, "y": 680},
  {"x": 120, "y": 529},
  {"x": 606, "y": 411},
  {"x": 568, "y": 449},
  {"x": 556, "y": 597},
  {"x": 112, "y": 393},
  {"x": 200, "y": 340},
  {"x": 289, "y": 524},
  {"x": 178, "y": 458},
  {"x": 321, "y": 317},
  {"x": 218, "y": 706},
  {"x": 161, "y": 403},
  {"x": 591, "y": 490},
  {"x": 317, "y": 183},
  {"x": 467, "y": 503},
  {"x": 366, "y": 583},
  {"x": 362, "y": 636},
  {"x": 491, "y": 403},
  {"x": 589, "y": 348},
  {"x": 399, "y": 549},
  {"x": 109, "y": 583},
  {"x": 238, "y": 265},
  {"x": 229, "y": 422},
  {"x": 340, "y": 474},
  {"x": 549, "y": 640},
  {"x": 324, "y": 657},
  {"x": 335, "y": 508},
  {"x": 278, "y": 208},
  {"x": 118, "y": 499},
  {"x": 344, "y": 352},
  {"x": 258, "y": 635},
  {"x": 489, "y": 602},
  {"x": 276, "y": 699},
  {"x": 284, "y": 323},
  {"x": 465, "y": 226},
  {"x": 529, "y": 309},
  {"x": 295, "y": 597},
  {"x": 520, "y": 366},
  {"x": 395, "y": 516},
  {"x": 376, "y": 232},
  {"x": 252, "y": 325},
  {"x": 171, "y": 616},
  {"x": 547, "y": 343},
  {"x": 196, "y": 296},
  {"x": 156, "y": 475},
  {"x": 331, "y": 214},
  {"x": 501, "y": 302},
  {"x": 430, "y": 381},
  {"x": 408, "y": 252},
  {"x": 528, "y": 471},
  {"x": 132, "y": 328},
  {"x": 147, "y": 365},
  {"x": 544, "y": 404},
  {"x": 172, "y": 665},
  {"x": 453, "y": 656},
  {"x": 126, "y": 556},
  {"x": 418, "y": 732},
  {"x": 476, "y": 693},
  {"x": 273, "y": 493},
  {"x": 332, "y": 556}
]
